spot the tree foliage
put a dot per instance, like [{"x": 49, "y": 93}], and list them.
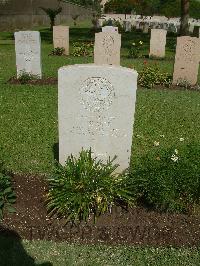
[{"x": 168, "y": 8}]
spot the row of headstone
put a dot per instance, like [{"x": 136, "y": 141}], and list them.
[
  {"x": 28, "y": 49},
  {"x": 102, "y": 97},
  {"x": 107, "y": 51},
  {"x": 147, "y": 23}
]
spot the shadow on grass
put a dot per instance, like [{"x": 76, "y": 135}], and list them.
[
  {"x": 56, "y": 151},
  {"x": 76, "y": 34},
  {"x": 12, "y": 252},
  {"x": 7, "y": 36},
  {"x": 46, "y": 35}
]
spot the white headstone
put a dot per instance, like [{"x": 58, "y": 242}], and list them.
[
  {"x": 61, "y": 38},
  {"x": 28, "y": 53},
  {"x": 187, "y": 60},
  {"x": 107, "y": 48},
  {"x": 110, "y": 29},
  {"x": 158, "y": 43},
  {"x": 127, "y": 26},
  {"x": 146, "y": 28},
  {"x": 96, "y": 106}
]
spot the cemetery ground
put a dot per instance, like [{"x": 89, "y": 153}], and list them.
[{"x": 166, "y": 120}]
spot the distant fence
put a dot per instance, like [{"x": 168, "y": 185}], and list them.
[{"x": 24, "y": 14}]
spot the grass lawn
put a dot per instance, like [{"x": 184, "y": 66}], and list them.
[
  {"x": 28, "y": 114},
  {"x": 62, "y": 254},
  {"x": 29, "y": 134}
]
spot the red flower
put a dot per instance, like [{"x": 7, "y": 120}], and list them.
[{"x": 145, "y": 62}]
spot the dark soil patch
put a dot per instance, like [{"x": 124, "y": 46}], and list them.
[
  {"x": 139, "y": 226},
  {"x": 44, "y": 81},
  {"x": 54, "y": 81}
]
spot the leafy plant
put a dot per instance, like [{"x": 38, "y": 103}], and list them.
[
  {"x": 134, "y": 51},
  {"x": 168, "y": 179},
  {"x": 25, "y": 77},
  {"x": 7, "y": 195},
  {"x": 184, "y": 83},
  {"x": 151, "y": 76},
  {"x": 108, "y": 22},
  {"x": 58, "y": 51},
  {"x": 117, "y": 23},
  {"x": 82, "y": 49},
  {"x": 86, "y": 186}
]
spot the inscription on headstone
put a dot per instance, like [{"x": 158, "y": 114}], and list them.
[
  {"x": 28, "y": 53},
  {"x": 107, "y": 48},
  {"x": 187, "y": 60},
  {"x": 100, "y": 115}
]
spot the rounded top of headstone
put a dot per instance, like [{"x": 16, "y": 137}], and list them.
[
  {"x": 61, "y": 26},
  {"x": 102, "y": 68}
]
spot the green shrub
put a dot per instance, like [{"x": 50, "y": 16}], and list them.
[
  {"x": 151, "y": 76},
  {"x": 25, "y": 77},
  {"x": 116, "y": 23},
  {"x": 168, "y": 179},
  {"x": 108, "y": 22},
  {"x": 85, "y": 186},
  {"x": 82, "y": 49},
  {"x": 134, "y": 51},
  {"x": 7, "y": 195},
  {"x": 58, "y": 51}
]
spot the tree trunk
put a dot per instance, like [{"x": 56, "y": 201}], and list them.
[
  {"x": 52, "y": 23},
  {"x": 184, "y": 30}
]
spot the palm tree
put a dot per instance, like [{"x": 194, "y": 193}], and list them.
[
  {"x": 52, "y": 13},
  {"x": 184, "y": 30}
]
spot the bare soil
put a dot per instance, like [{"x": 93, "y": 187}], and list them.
[
  {"x": 44, "y": 81},
  {"x": 138, "y": 226}
]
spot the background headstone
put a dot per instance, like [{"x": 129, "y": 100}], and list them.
[
  {"x": 110, "y": 29},
  {"x": 146, "y": 28},
  {"x": 61, "y": 38},
  {"x": 127, "y": 26},
  {"x": 158, "y": 43},
  {"x": 96, "y": 106},
  {"x": 28, "y": 53},
  {"x": 196, "y": 31},
  {"x": 107, "y": 48},
  {"x": 187, "y": 60}
]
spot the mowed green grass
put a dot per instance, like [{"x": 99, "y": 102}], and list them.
[
  {"x": 28, "y": 114},
  {"x": 45, "y": 253}
]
